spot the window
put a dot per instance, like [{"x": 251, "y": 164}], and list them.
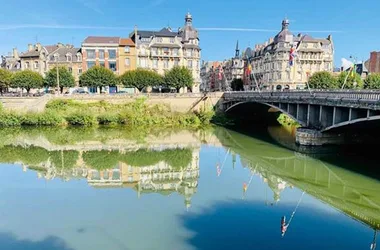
[
  {"x": 127, "y": 49},
  {"x": 171, "y": 40},
  {"x": 101, "y": 54},
  {"x": 176, "y": 62},
  {"x": 166, "y": 51},
  {"x": 90, "y": 65},
  {"x": 112, "y": 66},
  {"x": 166, "y": 64},
  {"x": 145, "y": 39},
  {"x": 91, "y": 54},
  {"x": 155, "y": 63},
  {"x": 175, "y": 52},
  {"x": 27, "y": 65},
  {"x": 127, "y": 62},
  {"x": 69, "y": 58},
  {"x": 70, "y": 70},
  {"x": 159, "y": 39},
  {"x": 189, "y": 52},
  {"x": 80, "y": 71},
  {"x": 36, "y": 65},
  {"x": 102, "y": 64},
  {"x": 154, "y": 51},
  {"x": 79, "y": 57},
  {"x": 45, "y": 66},
  {"x": 142, "y": 63},
  {"x": 112, "y": 54},
  {"x": 190, "y": 64}
]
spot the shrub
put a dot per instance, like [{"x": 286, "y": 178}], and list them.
[
  {"x": 81, "y": 119},
  {"x": 10, "y": 120},
  {"x": 1, "y": 107},
  {"x": 108, "y": 119},
  {"x": 60, "y": 105},
  {"x": 41, "y": 119}
]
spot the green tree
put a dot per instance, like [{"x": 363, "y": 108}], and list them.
[
  {"x": 237, "y": 85},
  {"x": 66, "y": 79},
  {"x": 322, "y": 80},
  {"x": 179, "y": 77},
  {"x": 354, "y": 81},
  {"x": 98, "y": 77},
  {"x": 5, "y": 79},
  {"x": 372, "y": 81},
  {"x": 140, "y": 79},
  {"x": 27, "y": 79}
]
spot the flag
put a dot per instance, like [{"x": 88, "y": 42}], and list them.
[
  {"x": 292, "y": 56},
  {"x": 353, "y": 70},
  {"x": 220, "y": 73}
]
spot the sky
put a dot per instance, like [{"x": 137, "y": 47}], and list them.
[{"x": 354, "y": 25}]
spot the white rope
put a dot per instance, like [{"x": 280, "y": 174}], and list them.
[{"x": 295, "y": 210}]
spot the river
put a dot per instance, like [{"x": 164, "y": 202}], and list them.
[{"x": 115, "y": 189}]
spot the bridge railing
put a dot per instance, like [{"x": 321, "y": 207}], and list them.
[{"x": 373, "y": 95}]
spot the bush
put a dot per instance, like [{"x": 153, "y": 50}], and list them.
[
  {"x": 41, "y": 119},
  {"x": 81, "y": 119},
  {"x": 1, "y": 107},
  {"x": 108, "y": 119},
  {"x": 60, "y": 105},
  {"x": 10, "y": 120}
]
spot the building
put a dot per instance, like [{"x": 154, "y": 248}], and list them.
[
  {"x": 270, "y": 62},
  {"x": 37, "y": 58},
  {"x": 127, "y": 55},
  {"x": 373, "y": 64},
  {"x": 162, "y": 50},
  {"x": 11, "y": 62},
  {"x": 233, "y": 68},
  {"x": 69, "y": 57},
  {"x": 101, "y": 51},
  {"x": 210, "y": 79}
]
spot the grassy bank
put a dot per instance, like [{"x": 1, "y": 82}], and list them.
[{"x": 74, "y": 113}]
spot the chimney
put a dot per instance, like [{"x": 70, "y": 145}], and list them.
[
  {"x": 271, "y": 40},
  {"x": 60, "y": 45},
  {"x": 30, "y": 47},
  {"x": 38, "y": 47},
  {"x": 15, "y": 53}
]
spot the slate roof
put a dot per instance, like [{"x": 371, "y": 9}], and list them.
[
  {"x": 32, "y": 53},
  {"x": 102, "y": 39},
  {"x": 62, "y": 52},
  {"x": 165, "y": 32}
]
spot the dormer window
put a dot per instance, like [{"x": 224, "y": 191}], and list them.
[
  {"x": 159, "y": 39},
  {"x": 69, "y": 57},
  {"x": 56, "y": 57},
  {"x": 79, "y": 57}
]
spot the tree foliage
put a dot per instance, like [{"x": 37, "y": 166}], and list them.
[
  {"x": 27, "y": 79},
  {"x": 372, "y": 81},
  {"x": 98, "y": 77},
  {"x": 179, "y": 77},
  {"x": 354, "y": 81},
  {"x": 140, "y": 79},
  {"x": 322, "y": 80},
  {"x": 237, "y": 85},
  {"x": 66, "y": 79},
  {"x": 5, "y": 79}
]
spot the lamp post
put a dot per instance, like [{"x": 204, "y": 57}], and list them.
[{"x": 345, "y": 80}]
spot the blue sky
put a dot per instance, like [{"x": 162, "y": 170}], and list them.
[{"x": 353, "y": 24}]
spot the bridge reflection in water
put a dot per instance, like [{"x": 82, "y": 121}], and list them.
[{"x": 169, "y": 170}]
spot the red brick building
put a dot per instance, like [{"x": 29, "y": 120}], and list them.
[{"x": 374, "y": 62}]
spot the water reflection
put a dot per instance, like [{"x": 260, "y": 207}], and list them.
[{"x": 171, "y": 163}]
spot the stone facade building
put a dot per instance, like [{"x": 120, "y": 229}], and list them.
[
  {"x": 127, "y": 55},
  {"x": 37, "y": 58},
  {"x": 162, "y": 50},
  {"x": 69, "y": 57},
  {"x": 210, "y": 76},
  {"x": 11, "y": 61},
  {"x": 270, "y": 61}
]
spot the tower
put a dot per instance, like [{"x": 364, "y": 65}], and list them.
[
  {"x": 285, "y": 24},
  {"x": 188, "y": 19},
  {"x": 237, "y": 51}
]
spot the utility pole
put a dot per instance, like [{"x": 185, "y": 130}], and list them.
[{"x": 57, "y": 75}]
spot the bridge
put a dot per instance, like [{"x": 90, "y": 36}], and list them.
[{"x": 321, "y": 113}]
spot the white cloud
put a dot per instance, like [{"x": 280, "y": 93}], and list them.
[{"x": 156, "y": 3}]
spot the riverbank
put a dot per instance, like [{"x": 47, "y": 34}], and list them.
[{"x": 134, "y": 114}]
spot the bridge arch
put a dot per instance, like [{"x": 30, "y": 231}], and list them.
[
  {"x": 292, "y": 114},
  {"x": 359, "y": 122}
]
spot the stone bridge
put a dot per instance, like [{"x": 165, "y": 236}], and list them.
[{"x": 320, "y": 113}]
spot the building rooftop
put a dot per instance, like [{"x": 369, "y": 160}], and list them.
[
  {"x": 126, "y": 42},
  {"x": 102, "y": 39}
]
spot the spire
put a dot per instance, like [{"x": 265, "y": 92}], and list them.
[
  {"x": 285, "y": 24},
  {"x": 237, "y": 51},
  {"x": 189, "y": 19}
]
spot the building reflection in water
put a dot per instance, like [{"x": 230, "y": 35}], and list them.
[{"x": 158, "y": 178}]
